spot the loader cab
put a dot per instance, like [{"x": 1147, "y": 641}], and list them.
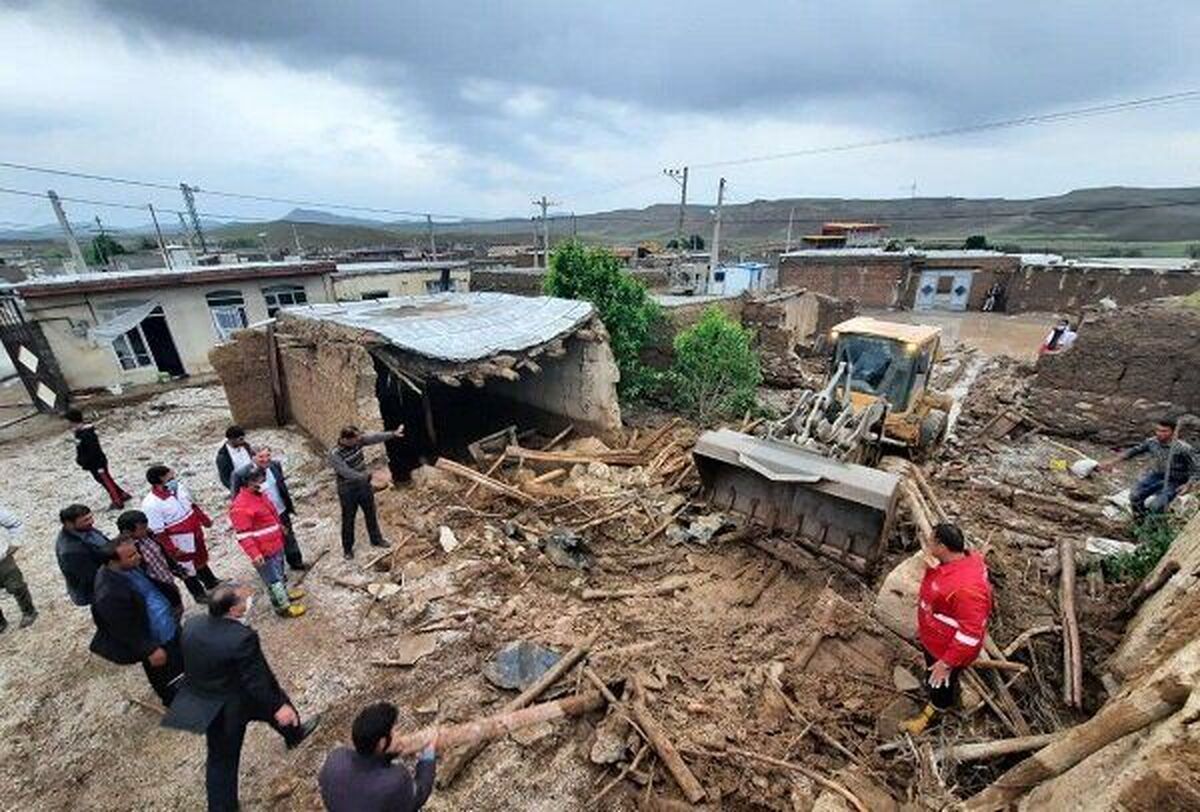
[{"x": 888, "y": 361}]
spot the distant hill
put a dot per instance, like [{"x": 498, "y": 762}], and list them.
[{"x": 1155, "y": 221}]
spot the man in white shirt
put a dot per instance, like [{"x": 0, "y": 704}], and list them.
[
  {"x": 10, "y": 574},
  {"x": 276, "y": 490},
  {"x": 234, "y": 453}
]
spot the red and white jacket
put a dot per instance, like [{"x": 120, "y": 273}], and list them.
[
  {"x": 953, "y": 610},
  {"x": 256, "y": 523},
  {"x": 178, "y": 525}
]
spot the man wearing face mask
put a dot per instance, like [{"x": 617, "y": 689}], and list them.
[
  {"x": 260, "y": 533},
  {"x": 365, "y": 779},
  {"x": 276, "y": 489},
  {"x": 227, "y": 684},
  {"x": 178, "y": 526}
]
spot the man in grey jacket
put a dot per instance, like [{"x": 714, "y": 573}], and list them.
[
  {"x": 10, "y": 574},
  {"x": 354, "y": 483}
]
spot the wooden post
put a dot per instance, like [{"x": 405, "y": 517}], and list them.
[
  {"x": 692, "y": 790},
  {"x": 1072, "y": 649},
  {"x": 280, "y": 407}
]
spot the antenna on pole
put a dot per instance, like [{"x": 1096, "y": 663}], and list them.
[
  {"x": 680, "y": 176},
  {"x": 189, "y": 199}
]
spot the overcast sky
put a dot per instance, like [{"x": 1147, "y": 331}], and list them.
[{"x": 474, "y": 107}]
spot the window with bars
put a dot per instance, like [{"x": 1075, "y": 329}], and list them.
[
  {"x": 228, "y": 308},
  {"x": 281, "y": 296}
]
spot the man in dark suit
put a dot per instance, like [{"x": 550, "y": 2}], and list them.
[
  {"x": 276, "y": 489},
  {"x": 228, "y": 684},
  {"x": 236, "y": 452},
  {"x": 137, "y": 618}
]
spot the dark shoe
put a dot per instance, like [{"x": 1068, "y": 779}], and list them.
[
  {"x": 348, "y": 555},
  {"x": 381, "y": 543},
  {"x": 27, "y": 620},
  {"x": 3, "y": 625},
  {"x": 301, "y": 567},
  {"x": 306, "y": 730}
]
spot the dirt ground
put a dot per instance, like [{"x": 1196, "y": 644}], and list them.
[{"x": 71, "y": 738}]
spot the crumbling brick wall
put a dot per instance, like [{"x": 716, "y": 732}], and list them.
[
  {"x": 329, "y": 379},
  {"x": 659, "y": 349},
  {"x": 245, "y": 373},
  {"x": 1071, "y": 288},
  {"x": 1127, "y": 367},
  {"x": 875, "y": 281}
]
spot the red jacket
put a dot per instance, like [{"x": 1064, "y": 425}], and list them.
[
  {"x": 256, "y": 523},
  {"x": 953, "y": 610}
]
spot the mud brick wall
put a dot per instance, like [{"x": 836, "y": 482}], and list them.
[
  {"x": 328, "y": 378},
  {"x": 1069, "y": 289},
  {"x": 521, "y": 283},
  {"x": 871, "y": 281},
  {"x": 659, "y": 349},
  {"x": 1128, "y": 367},
  {"x": 243, "y": 368}
]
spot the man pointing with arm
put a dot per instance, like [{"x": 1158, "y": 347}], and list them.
[{"x": 354, "y": 483}]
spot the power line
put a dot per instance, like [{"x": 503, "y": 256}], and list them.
[{"x": 1021, "y": 121}]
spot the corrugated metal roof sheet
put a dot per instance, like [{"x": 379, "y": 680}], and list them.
[{"x": 457, "y": 327}]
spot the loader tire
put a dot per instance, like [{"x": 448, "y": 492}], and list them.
[{"x": 933, "y": 429}]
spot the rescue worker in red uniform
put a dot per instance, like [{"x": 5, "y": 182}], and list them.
[
  {"x": 952, "y": 616},
  {"x": 260, "y": 533}
]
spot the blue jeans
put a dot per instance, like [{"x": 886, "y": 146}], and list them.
[
  {"x": 1147, "y": 496},
  {"x": 271, "y": 571}
]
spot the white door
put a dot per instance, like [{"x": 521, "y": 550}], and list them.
[{"x": 943, "y": 290}]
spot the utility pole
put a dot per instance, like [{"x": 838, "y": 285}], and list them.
[
  {"x": 544, "y": 203},
  {"x": 574, "y": 227},
  {"x": 189, "y": 199},
  {"x": 791, "y": 216},
  {"x": 432, "y": 241},
  {"x": 296, "y": 238},
  {"x": 715, "y": 258},
  {"x": 680, "y": 176},
  {"x": 162, "y": 245},
  {"x": 72, "y": 243}
]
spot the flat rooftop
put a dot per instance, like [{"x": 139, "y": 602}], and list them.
[
  {"x": 458, "y": 327},
  {"x": 149, "y": 278},
  {"x": 398, "y": 266}
]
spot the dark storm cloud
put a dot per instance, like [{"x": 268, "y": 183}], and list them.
[{"x": 934, "y": 61}]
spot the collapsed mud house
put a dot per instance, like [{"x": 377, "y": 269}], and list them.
[{"x": 451, "y": 368}]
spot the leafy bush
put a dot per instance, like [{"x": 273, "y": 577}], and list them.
[
  {"x": 715, "y": 370},
  {"x": 628, "y": 312},
  {"x": 1154, "y": 536}
]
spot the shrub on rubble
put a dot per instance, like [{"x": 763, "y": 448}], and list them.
[
  {"x": 628, "y": 312},
  {"x": 1154, "y": 536},
  {"x": 715, "y": 372}
]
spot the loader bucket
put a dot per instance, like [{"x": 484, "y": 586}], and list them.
[{"x": 837, "y": 509}]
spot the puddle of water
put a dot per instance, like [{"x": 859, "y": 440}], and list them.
[{"x": 993, "y": 334}]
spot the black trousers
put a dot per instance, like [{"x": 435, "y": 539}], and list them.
[
  {"x": 291, "y": 547},
  {"x": 165, "y": 678},
  {"x": 13, "y": 582},
  {"x": 942, "y": 698},
  {"x": 199, "y": 584},
  {"x": 352, "y": 497},
  {"x": 225, "y": 737}
]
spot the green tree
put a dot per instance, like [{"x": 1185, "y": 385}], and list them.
[
  {"x": 102, "y": 249},
  {"x": 976, "y": 242},
  {"x": 628, "y": 312},
  {"x": 715, "y": 372},
  {"x": 1193, "y": 250}
]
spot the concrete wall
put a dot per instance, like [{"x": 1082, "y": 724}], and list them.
[
  {"x": 86, "y": 366},
  {"x": 580, "y": 385},
  {"x": 351, "y": 287},
  {"x": 1066, "y": 289}
]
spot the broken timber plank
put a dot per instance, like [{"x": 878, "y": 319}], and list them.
[
  {"x": 454, "y": 763},
  {"x": 484, "y": 480},
  {"x": 764, "y": 583},
  {"x": 657, "y": 736},
  {"x": 500, "y": 724},
  {"x": 978, "y": 751},
  {"x": 615, "y": 457},
  {"x": 493, "y": 468},
  {"x": 1072, "y": 650},
  {"x": 667, "y": 586}
]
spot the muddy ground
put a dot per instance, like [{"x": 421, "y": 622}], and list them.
[{"x": 70, "y": 738}]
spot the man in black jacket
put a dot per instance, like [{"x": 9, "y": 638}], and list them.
[
  {"x": 227, "y": 684},
  {"x": 137, "y": 619},
  {"x": 233, "y": 454},
  {"x": 79, "y": 550},
  {"x": 276, "y": 489},
  {"x": 90, "y": 457}
]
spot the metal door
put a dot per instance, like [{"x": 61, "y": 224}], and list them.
[
  {"x": 36, "y": 365},
  {"x": 947, "y": 289}
]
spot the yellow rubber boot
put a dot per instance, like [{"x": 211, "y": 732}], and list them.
[
  {"x": 916, "y": 725},
  {"x": 291, "y": 610},
  {"x": 295, "y": 593}
]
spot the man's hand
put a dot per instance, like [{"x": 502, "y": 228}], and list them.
[
  {"x": 399, "y": 432},
  {"x": 286, "y": 716},
  {"x": 157, "y": 658},
  {"x": 939, "y": 674}
]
